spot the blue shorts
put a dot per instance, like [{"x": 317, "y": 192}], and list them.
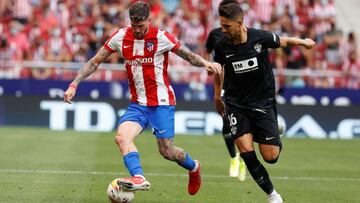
[{"x": 161, "y": 118}]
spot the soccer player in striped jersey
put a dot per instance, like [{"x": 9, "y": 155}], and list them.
[{"x": 145, "y": 50}]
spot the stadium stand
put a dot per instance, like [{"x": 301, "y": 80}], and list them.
[{"x": 72, "y": 31}]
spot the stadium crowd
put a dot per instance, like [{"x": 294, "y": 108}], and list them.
[{"x": 73, "y": 30}]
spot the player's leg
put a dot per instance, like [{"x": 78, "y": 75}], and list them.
[
  {"x": 244, "y": 141},
  {"x": 230, "y": 146},
  {"x": 131, "y": 125},
  {"x": 162, "y": 121},
  {"x": 237, "y": 165},
  {"x": 256, "y": 169},
  {"x": 268, "y": 137}
]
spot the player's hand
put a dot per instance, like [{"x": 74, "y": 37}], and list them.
[
  {"x": 213, "y": 68},
  {"x": 220, "y": 106},
  {"x": 70, "y": 93},
  {"x": 309, "y": 43}
]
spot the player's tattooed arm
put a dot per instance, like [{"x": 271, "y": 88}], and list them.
[
  {"x": 92, "y": 65},
  {"x": 190, "y": 56},
  {"x": 197, "y": 60}
]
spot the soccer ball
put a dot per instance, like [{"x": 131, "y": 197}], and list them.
[
  {"x": 282, "y": 128},
  {"x": 117, "y": 194}
]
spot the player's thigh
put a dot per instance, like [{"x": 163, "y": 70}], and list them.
[
  {"x": 265, "y": 127},
  {"x": 161, "y": 119},
  {"x": 245, "y": 143},
  {"x": 240, "y": 129},
  {"x": 128, "y": 130},
  {"x": 133, "y": 122}
]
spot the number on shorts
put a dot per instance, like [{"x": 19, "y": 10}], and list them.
[{"x": 232, "y": 119}]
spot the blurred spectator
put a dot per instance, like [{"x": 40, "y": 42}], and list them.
[
  {"x": 18, "y": 39},
  {"x": 352, "y": 71},
  {"x": 170, "y": 6},
  {"x": 64, "y": 30},
  {"x": 333, "y": 56},
  {"x": 324, "y": 14}
]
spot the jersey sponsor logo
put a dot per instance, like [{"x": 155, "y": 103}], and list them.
[
  {"x": 138, "y": 61},
  {"x": 126, "y": 46},
  {"x": 245, "y": 65},
  {"x": 258, "y": 47}
]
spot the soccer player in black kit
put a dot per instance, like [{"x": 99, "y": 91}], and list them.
[
  {"x": 250, "y": 91},
  {"x": 237, "y": 165}
]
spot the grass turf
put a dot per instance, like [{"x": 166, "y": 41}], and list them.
[{"x": 39, "y": 165}]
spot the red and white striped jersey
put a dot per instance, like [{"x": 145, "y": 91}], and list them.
[{"x": 146, "y": 63}]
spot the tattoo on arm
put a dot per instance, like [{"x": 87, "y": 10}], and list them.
[
  {"x": 92, "y": 65},
  {"x": 190, "y": 56}
]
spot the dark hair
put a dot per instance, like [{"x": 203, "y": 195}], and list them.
[
  {"x": 224, "y": 2},
  {"x": 231, "y": 11},
  {"x": 139, "y": 11}
]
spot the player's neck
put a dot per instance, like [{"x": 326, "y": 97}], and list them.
[{"x": 241, "y": 37}]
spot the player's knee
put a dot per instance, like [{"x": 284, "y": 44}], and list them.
[
  {"x": 120, "y": 140},
  {"x": 272, "y": 159}
]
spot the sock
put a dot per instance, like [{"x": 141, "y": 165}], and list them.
[
  {"x": 229, "y": 141},
  {"x": 188, "y": 163},
  {"x": 132, "y": 163},
  {"x": 230, "y": 144},
  {"x": 258, "y": 172}
]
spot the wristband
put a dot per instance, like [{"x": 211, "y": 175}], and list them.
[{"x": 73, "y": 85}]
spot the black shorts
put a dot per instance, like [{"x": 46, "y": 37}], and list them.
[{"x": 262, "y": 123}]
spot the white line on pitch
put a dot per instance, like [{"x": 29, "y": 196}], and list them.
[{"x": 167, "y": 174}]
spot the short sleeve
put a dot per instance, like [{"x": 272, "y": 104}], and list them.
[
  {"x": 114, "y": 43},
  {"x": 168, "y": 42},
  {"x": 210, "y": 42},
  {"x": 219, "y": 55},
  {"x": 271, "y": 40}
]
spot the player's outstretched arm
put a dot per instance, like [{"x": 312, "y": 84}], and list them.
[
  {"x": 90, "y": 67},
  {"x": 293, "y": 41},
  {"x": 197, "y": 60}
]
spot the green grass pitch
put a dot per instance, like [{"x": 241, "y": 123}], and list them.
[{"x": 39, "y": 165}]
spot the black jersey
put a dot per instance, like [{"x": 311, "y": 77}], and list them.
[
  {"x": 249, "y": 80},
  {"x": 214, "y": 36}
]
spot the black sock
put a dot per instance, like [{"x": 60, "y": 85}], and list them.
[
  {"x": 257, "y": 171},
  {"x": 229, "y": 141}
]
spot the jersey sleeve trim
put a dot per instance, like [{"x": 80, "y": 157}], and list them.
[
  {"x": 106, "y": 46},
  {"x": 177, "y": 45}
]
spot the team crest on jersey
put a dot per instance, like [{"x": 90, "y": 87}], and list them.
[
  {"x": 233, "y": 130},
  {"x": 150, "y": 46},
  {"x": 258, "y": 47}
]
